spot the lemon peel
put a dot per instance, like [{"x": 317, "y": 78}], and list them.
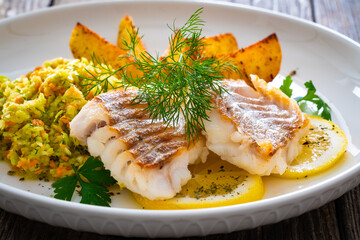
[{"x": 323, "y": 146}]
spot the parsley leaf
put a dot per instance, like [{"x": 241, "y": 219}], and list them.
[
  {"x": 93, "y": 179},
  {"x": 93, "y": 170},
  {"x": 94, "y": 194},
  {"x": 322, "y": 109},
  {"x": 65, "y": 187},
  {"x": 285, "y": 87}
]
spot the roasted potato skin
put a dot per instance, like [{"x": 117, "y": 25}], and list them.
[
  {"x": 126, "y": 29},
  {"x": 215, "y": 45},
  {"x": 262, "y": 58},
  {"x": 85, "y": 43},
  {"x": 220, "y": 44}
]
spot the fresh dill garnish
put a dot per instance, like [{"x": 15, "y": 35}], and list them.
[
  {"x": 178, "y": 85},
  {"x": 93, "y": 180},
  {"x": 322, "y": 109},
  {"x": 100, "y": 78}
]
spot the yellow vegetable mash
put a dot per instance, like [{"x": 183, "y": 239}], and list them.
[{"x": 35, "y": 113}]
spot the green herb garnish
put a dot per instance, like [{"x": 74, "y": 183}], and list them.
[
  {"x": 322, "y": 109},
  {"x": 183, "y": 83},
  {"x": 285, "y": 87},
  {"x": 100, "y": 79},
  {"x": 92, "y": 178},
  {"x": 179, "y": 85}
]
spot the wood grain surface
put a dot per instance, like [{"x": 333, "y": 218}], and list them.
[{"x": 339, "y": 219}]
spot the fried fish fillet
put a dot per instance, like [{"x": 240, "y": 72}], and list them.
[
  {"x": 257, "y": 129},
  {"x": 144, "y": 155}
]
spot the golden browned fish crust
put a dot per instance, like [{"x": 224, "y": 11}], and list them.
[
  {"x": 267, "y": 117},
  {"x": 152, "y": 143}
]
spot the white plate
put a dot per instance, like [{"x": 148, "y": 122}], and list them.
[{"x": 324, "y": 56}]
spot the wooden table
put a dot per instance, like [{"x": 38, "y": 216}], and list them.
[{"x": 339, "y": 219}]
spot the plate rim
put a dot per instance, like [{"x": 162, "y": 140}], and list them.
[{"x": 190, "y": 2}]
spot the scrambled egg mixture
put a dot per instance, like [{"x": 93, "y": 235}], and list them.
[{"x": 35, "y": 113}]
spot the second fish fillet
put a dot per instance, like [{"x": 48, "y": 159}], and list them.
[{"x": 257, "y": 129}]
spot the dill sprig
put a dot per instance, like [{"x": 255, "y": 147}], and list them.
[
  {"x": 182, "y": 83},
  {"x": 99, "y": 79}
]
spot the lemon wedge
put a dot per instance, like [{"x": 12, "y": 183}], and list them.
[
  {"x": 322, "y": 148},
  {"x": 214, "y": 183}
]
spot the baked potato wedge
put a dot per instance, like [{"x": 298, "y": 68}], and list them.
[
  {"x": 126, "y": 29},
  {"x": 220, "y": 44},
  {"x": 216, "y": 45},
  {"x": 85, "y": 43},
  {"x": 262, "y": 58}
]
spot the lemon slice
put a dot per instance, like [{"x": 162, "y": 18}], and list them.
[
  {"x": 322, "y": 148},
  {"x": 215, "y": 183}
]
